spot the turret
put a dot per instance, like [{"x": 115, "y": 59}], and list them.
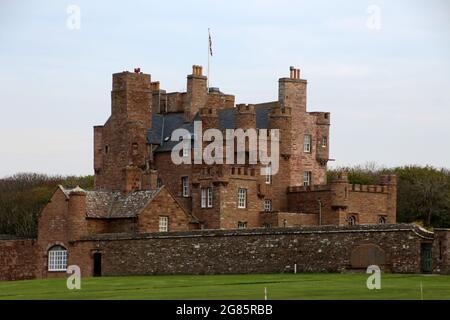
[
  {"x": 77, "y": 226},
  {"x": 209, "y": 117},
  {"x": 281, "y": 118},
  {"x": 245, "y": 116},
  {"x": 339, "y": 189}
]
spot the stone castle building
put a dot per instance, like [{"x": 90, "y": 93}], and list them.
[
  {"x": 132, "y": 152},
  {"x": 147, "y": 215}
]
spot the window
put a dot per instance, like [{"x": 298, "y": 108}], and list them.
[
  {"x": 267, "y": 205},
  {"x": 242, "y": 198},
  {"x": 206, "y": 198},
  {"x": 352, "y": 220},
  {"x": 163, "y": 224},
  {"x": 159, "y": 183},
  {"x": 185, "y": 186},
  {"x": 382, "y": 220},
  {"x": 242, "y": 225},
  {"x": 57, "y": 258},
  {"x": 210, "y": 197},
  {"x": 269, "y": 174},
  {"x": 307, "y": 178},
  {"x": 106, "y": 149},
  {"x": 267, "y": 225},
  {"x": 324, "y": 141},
  {"x": 307, "y": 143}
]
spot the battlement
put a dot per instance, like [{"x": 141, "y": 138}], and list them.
[
  {"x": 155, "y": 86},
  {"x": 308, "y": 188},
  {"x": 322, "y": 118},
  {"x": 208, "y": 112},
  {"x": 368, "y": 188},
  {"x": 242, "y": 171},
  {"x": 245, "y": 108},
  {"x": 281, "y": 112},
  {"x": 133, "y": 81}
]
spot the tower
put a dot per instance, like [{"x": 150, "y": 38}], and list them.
[{"x": 120, "y": 146}]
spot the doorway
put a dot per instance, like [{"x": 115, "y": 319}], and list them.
[
  {"x": 97, "y": 264},
  {"x": 426, "y": 258}
]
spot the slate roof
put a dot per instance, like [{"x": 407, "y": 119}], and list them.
[
  {"x": 164, "y": 125},
  {"x": 111, "y": 205}
]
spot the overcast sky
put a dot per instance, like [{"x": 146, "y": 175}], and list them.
[{"x": 382, "y": 68}]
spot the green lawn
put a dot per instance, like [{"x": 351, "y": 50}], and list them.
[{"x": 279, "y": 286}]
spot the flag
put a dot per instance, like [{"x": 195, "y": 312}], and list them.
[{"x": 210, "y": 43}]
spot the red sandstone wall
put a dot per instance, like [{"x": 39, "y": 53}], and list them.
[
  {"x": 163, "y": 205},
  {"x": 17, "y": 259}
]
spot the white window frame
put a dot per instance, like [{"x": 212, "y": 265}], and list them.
[
  {"x": 242, "y": 224},
  {"x": 57, "y": 259},
  {"x": 242, "y": 198},
  {"x": 163, "y": 224},
  {"x": 307, "y": 143},
  {"x": 307, "y": 178},
  {"x": 324, "y": 141},
  {"x": 203, "y": 197},
  {"x": 267, "y": 205},
  {"x": 209, "y": 198},
  {"x": 269, "y": 174},
  {"x": 185, "y": 186}
]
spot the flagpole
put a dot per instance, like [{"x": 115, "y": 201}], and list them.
[{"x": 209, "y": 50}]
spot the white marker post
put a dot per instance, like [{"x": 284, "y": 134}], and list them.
[
  {"x": 421, "y": 290},
  {"x": 265, "y": 293},
  {"x": 295, "y": 268}
]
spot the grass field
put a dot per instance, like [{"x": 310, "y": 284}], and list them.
[{"x": 279, "y": 286}]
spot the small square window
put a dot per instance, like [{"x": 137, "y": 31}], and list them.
[{"x": 242, "y": 225}]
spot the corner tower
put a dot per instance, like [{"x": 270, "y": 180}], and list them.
[{"x": 120, "y": 146}]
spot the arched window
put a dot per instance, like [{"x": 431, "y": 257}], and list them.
[
  {"x": 352, "y": 220},
  {"x": 382, "y": 220},
  {"x": 57, "y": 258}
]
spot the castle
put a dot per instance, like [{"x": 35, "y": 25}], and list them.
[
  {"x": 148, "y": 215},
  {"x": 132, "y": 152}
]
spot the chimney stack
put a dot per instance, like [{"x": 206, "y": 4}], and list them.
[
  {"x": 197, "y": 70},
  {"x": 294, "y": 73}
]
